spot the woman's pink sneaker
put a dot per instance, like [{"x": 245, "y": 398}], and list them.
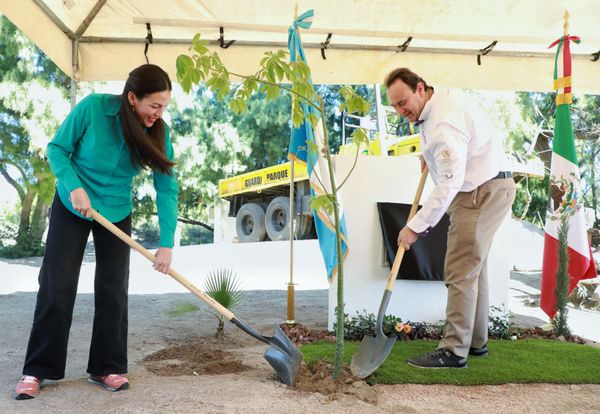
[
  {"x": 111, "y": 382},
  {"x": 27, "y": 388}
]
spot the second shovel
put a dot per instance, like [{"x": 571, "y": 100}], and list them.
[{"x": 374, "y": 350}]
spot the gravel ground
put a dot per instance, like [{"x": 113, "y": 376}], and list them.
[{"x": 254, "y": 390}]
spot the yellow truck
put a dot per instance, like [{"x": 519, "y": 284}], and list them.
[{"x": 260, "y": 200}]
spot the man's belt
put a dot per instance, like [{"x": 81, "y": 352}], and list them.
[{"x": 503, "y": 174}]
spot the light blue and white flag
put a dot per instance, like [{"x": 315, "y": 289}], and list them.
[{"x": 316, "y": 165}]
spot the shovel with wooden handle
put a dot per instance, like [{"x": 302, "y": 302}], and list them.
[
  {"x": 374, "y": 350},
  {"x": 281, "y": 354}
]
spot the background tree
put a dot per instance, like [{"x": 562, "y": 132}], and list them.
[
  {"x": 33, "y": 97},
  {"x": 536, "y": 127}
]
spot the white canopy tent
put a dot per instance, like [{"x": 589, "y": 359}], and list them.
[{"x": 441, "y": 40}]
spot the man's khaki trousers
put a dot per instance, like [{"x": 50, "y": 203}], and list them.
[{"x": 474, "y": 218}]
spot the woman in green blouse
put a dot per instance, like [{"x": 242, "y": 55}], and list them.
[{"x": 97, "y": 151}]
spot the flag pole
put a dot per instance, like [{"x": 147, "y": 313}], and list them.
[
  {"x": 566, "y": 24},
  {"x": 290, "y": 289}
]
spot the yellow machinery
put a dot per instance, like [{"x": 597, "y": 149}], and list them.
[
  {"x": 261, "y": 180},
  {"x": 260, "y": 199}
]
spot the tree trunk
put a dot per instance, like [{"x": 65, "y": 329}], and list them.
[
  {"x": 220, "y": 329},
  {"x": 38, "y": 221},
  {"x": 24, "y": 223},
  {"x": 544, "y": 150}
]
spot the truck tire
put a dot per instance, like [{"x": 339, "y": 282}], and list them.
[
  {"x": 305, "y": 227},
  {"x": 277, "y": 219},
  {"x": 250, "y": 223}
]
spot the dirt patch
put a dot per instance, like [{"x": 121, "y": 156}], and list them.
[
  {"x": 539, "y": 333},
  {"x": 192, "y": 359},
  {"x": 300, "y": 334},
  {"x": 318, "y": 377}
]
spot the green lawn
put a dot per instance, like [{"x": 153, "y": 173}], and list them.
[{"x": 522, "y": 361}]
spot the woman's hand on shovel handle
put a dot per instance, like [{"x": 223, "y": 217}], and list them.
[
  {"x": 164, "y": 256},
  {"x": 81, "y": 202},
  {"x": 406, "y": 237}
]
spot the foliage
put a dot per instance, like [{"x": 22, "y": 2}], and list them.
[
  {"x": 510, "y": 362},
  {"x": 208, "y": 148},
  {"x": 499, "y": 325},
  {"x": 532, "y": 207},
  {"x": 147, "y": 233},
  {"x": 533, "y": 126},
  {"x": 9, "y": 225},
  {"x": 32, "y": 100},
  {"x": 224, "y": 287},
  {"x": 193, "y": 235},
  {"x": 560, "y": 322},
  {"x": 364, "y": 324}
]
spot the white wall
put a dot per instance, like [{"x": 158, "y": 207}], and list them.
[
  {"x": 259, "y": 266},
  {"x": 365, "y": 276}
]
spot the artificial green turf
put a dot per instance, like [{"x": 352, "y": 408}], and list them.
[{"x": 521, "y": 361}]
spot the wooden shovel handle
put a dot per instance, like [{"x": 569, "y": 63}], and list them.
[
  {"x": 413, "y": 211},
  {"x": 182, "y": 280}
]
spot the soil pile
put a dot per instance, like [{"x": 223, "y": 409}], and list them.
[
  {"x": 539, "y": 333},
  {"x": 300, "y": 334},
  {"x": 192, "y": 359},
  {"x": 318, "y": 377}
]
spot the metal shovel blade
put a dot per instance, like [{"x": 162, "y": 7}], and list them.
[
  {"x": 283, "y": 357},
  {"x": 373, "y": 350},
  {"x": 282, "y": 354}
]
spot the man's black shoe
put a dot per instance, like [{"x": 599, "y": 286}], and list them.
[
  {"x": 481, "y": 352},
  {"x": 440, "y": 358}
]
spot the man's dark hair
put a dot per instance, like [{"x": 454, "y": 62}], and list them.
[{"x": 407, "y": 76}]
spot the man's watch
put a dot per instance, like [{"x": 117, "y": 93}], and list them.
[{"x": 425, "y": 232}]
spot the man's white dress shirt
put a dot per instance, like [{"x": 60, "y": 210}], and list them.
[{"x": 461, "y": 148}]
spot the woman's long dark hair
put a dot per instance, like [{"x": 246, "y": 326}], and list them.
[{"x": 146, "y": 145}]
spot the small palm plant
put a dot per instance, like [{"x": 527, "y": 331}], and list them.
[{"x": 224, "y": 287}]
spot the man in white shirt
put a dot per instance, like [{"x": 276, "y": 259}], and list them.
[{"x": 464, "y": 158}]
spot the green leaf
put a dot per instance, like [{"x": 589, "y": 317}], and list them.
[
  {"x": 312, "y": 147},
  {"x": 200, "y": 46},
  {"x": 360, "y": 137},
  {"x": 322, "y": 202},
  {"x": 195, "y": 76},
  {"x": 313, "y": 119},
  {"x": 186, "y": 83},
  {"x": 297, "y": 115},
  {"x": 279, "y": 72},
  {"x": 271, "y": 73},
  {"x": 224, "y": 287},
  {"x": 184, "y": 63}
]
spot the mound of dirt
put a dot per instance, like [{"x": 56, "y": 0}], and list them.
[
  {"x": 300, "y": 334},
  {"x": 539, "y": 333},
  {"x": 192, "y": 359},
  {"x": 318, "y": 377}
]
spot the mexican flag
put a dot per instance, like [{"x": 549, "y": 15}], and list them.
[{"x": 565, "y": 196}]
